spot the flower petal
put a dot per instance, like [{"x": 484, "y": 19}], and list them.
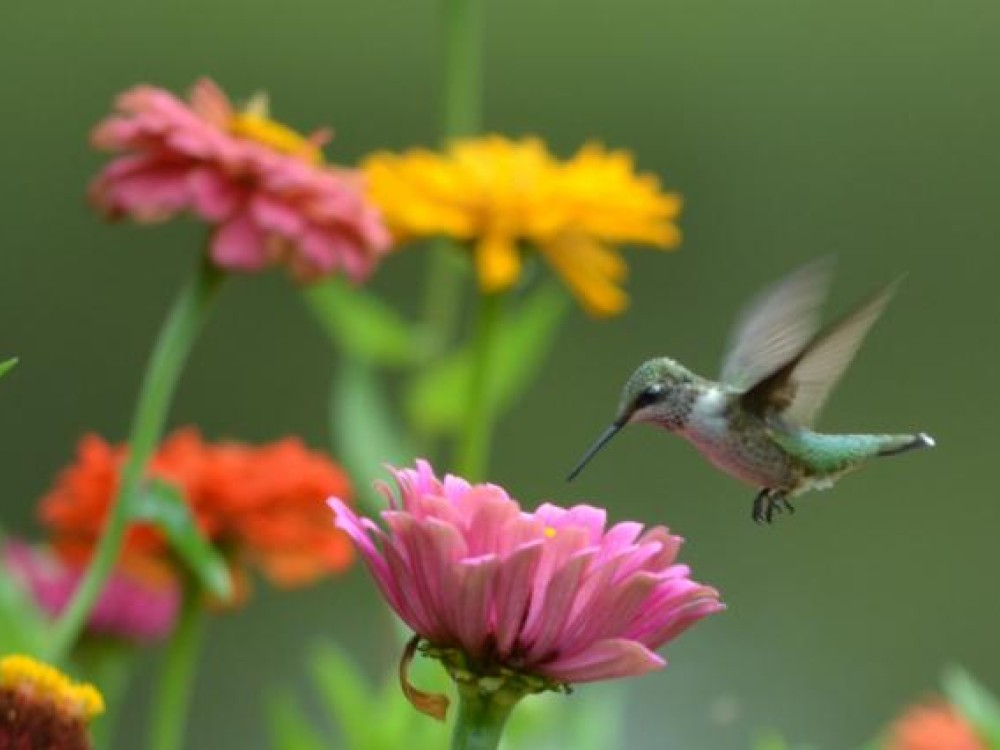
[
  {"x": 239, "y": 244},
  {"x": 497, "y": 263},
  {"x": 604, "y": 660}
]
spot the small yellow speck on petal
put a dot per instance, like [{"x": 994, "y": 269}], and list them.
[{"x": 550, "y": 532}]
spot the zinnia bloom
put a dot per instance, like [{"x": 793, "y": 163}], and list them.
[
  {"x": 933, "y": 726},
  {"x": 262, "y": 186},
  {"x": 260, "y": 505},
  {"x": 139, "y": 602},
  {"x": 500, "y": 196},
  {"x": 553, "y": 594},
  {"x": 42, "y": 708}
]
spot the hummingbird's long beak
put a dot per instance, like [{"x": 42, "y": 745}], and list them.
[{"x": 609, "y": 433}]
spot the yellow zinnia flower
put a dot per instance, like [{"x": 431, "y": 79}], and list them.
[
  {"x": 500, "y": 195},
  {"x": 41, "y": 707}
]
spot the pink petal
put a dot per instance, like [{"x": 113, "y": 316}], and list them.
[
  {"x": 513, "y": 593},
  {"x": 580, "y": 516},
  {"x": 548, "y": 614},
  {"x": 471, "y": 602},
  {"x": 431, "y": 549},
  {"x": 670, "y": 545},
  {"x": 678, "y": 618},
  {"x": 350, "y": 523},
  {"x": 609, "y": 612},
  {"x": 418, "y": 613},
  {"x": 486, "y": 513},
  {"x": 238, "y": 245},
  {"x": 208, "y": 100},
  {"x": 604, "y": 660},
  {"x": 149, "y": 192},
  {"x": 275, "y": 216},
  {"x": 214, "y": 195}
]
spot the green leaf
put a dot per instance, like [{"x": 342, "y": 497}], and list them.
[
  {"x": 365, "y": 436},
  {"x": 346, "y": 695},
  {"x": 770, "y": 741},
  {"x": 289, "y": 728},
  {"x": 974, "y": 702},
  {"x": 23, "y": 626},
  {"x": 7, "y": 365},
  {"x": 435, "y": 402},
  {"x": 163, "y": 505},
  {"x": 361, "y": 325}
]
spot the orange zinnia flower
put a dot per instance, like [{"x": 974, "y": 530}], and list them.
[
  {"x": 264, "y": 506},
  {"x": 933, "y": 726}
]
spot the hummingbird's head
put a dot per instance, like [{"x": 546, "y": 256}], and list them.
[{"x": 659, "y": 391}]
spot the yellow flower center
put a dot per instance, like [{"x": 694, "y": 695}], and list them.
[
  {"x": 256, "y": 126},
  {"x": 44, "y": 683},
  {"x": 550, "y": 532}
]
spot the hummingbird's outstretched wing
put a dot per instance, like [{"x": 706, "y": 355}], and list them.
[
  {"x": 799, "y": 388},
  {"x": 776, "y": 326}
]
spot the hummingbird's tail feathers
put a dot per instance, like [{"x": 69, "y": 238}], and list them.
[{"x": 897, "y": 444}]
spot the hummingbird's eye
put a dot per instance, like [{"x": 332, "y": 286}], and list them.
[{"x": 650, "y": 395}]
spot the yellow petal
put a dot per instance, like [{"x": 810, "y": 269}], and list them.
[
  {"x": 591, "y": 271},
  {"x": 497, "y": 262}
]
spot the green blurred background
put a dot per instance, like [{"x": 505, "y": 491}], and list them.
[{"x": 867, "y": 129}]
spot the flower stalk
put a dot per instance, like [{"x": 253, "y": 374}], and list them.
[
  {"x": 473, "y": 458},
  {"x": 482, "y": 715},
  {"x": 178, "y": 670},
  {"x": 179, "y": 331},
  {"x": 461, "y": 116}
]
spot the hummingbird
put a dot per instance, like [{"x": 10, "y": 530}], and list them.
[{"x": 755, "y": 422}]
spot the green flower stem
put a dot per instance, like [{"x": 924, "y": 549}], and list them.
[
  {"x": 462, "y": 32},
  {"x": 481, "y": 717},
  {"x": 173, "y": 696},
  {"x": 108, "y": 664},
  {"x": 176, "y": 337},
  {"x": 463, "y": 66},
  {"x": 474, "y": 449}
]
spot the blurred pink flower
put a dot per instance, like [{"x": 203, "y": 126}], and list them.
[
  {"x": 137, "y": 604},
  {"x": 552, "y": 593},
  {"x": 263, "y": 186}
]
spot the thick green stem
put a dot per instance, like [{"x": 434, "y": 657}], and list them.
[
  {"x": 108, "y": 664},
  {"x": 173, "y": 696},
  {"x": 176, "y": 337},
  {"x": 462, "y": 22},
  {"x": 481, "y": 717},
  {"x": 474, "y": 455},
  {"x": 463, "y": 66}
]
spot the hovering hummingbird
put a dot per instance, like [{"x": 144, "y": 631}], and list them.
[{"x": 755, "y": 422}]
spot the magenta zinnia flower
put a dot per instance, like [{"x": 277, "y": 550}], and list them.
[
  {"x": 262, "y": 186},
  {"x": 138, "y": 604},
  {"x": 553, "y": 594}
]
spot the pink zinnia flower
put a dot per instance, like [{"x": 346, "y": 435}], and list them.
[
  {"x": 263, "y": 186},
  {"x": 553, "y": 594},
  {"x": 138, "y": 604}
]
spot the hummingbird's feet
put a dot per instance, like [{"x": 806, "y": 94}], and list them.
[{"x": 767, "y": 502}]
